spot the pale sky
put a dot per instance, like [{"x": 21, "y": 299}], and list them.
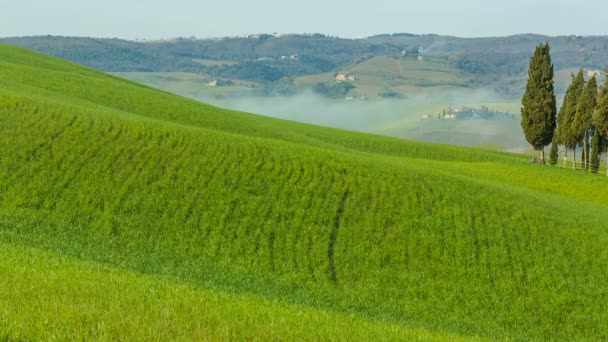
[{"x": 153, "y": 19}]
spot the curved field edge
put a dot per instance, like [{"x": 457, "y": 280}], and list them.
[
  {"x": 46, "y": 296},
  {"x": 50, "y": 77}
]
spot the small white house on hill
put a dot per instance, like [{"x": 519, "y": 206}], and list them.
[{"x": 344, "y": 77}]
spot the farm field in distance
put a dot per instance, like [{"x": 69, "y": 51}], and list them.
[
  {"x": 128, "y": 212},
  {"x": 398, "y": 117}
]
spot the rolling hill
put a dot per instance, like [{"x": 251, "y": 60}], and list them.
[
  {"x": 266, "y": 61},
  {"x": 131, "y": 213}
]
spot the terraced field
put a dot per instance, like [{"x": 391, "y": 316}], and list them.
[
  {"x": 406, "y": 76},
  {"x": 126, "y": 212},
  {"x": 431, "y": 71}
]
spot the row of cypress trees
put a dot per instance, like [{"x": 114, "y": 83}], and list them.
[{"x": 582, "y": 120}]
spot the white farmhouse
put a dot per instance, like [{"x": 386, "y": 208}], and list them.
[{"x": 345, "y": 77}]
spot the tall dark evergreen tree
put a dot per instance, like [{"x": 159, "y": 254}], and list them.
[
  {"x": 596, "y": 150},
  {"x": 560, "y": 126},
  {"x": 554, "y": 155},
  {"x": 560, "y": 118},
  {"x": 582, "y": 123},
  {"x": 538, "y": 103},
  {"x": 600, "y": 118},
  {"x": 566, "y": 132}
]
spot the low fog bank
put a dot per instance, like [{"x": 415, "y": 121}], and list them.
[{"x": 401, "y": 118}]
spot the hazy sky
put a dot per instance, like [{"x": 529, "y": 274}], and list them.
[{"x": 346, "y": 18}]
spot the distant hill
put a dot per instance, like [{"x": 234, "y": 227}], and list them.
[
  {"x": 495, "y": 62},
  {"x": 128, "y": 213}
]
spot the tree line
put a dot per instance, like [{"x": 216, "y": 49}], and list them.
[{"x": 582, "y": 121}]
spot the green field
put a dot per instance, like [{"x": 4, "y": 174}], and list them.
[
  {"x": 131, "y": 213},
  {"x": 403, "y": 75},
  {"x": 189, "y": 84},
  {"x": 410, "y": 71}
]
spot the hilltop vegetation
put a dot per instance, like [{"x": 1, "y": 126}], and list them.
[
  {"x": 582, "y": 115},
  {"x": 498, "y": 63},
  {"x": 167, "y": 218}
]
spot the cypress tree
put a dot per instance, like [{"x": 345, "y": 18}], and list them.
[
  {"x": 596, "y": 150},
  {"x": 557, "y": 137},
  {"x": 582, "y": 123},
  {"x": 600, "y": 118},
  {"x": 538, "y": 103},
  {"x": 560, "y": 118},
  {"x": 554, "y": 149},
  {"x": 566, "y": 131}
]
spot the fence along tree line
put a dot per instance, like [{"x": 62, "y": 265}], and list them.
[{"x": 582, "y": 120}]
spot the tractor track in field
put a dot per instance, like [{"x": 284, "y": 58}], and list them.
[
  {"x": 331, "y": 249},
  {"x": 240, "y": 182}
]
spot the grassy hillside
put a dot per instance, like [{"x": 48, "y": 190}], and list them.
[
  {"x": 122, "y": 305},
  {"x": 126, "y": 211}
]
